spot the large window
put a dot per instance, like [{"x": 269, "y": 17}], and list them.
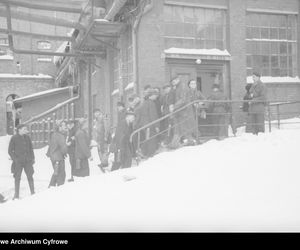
[
  {"x": 194, "y": 27},
  {"x": 271, "y": 44}
]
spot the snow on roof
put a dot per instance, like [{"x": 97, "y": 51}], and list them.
[
  {"x": 270, "y": 79},
  {"x": 116, "y": 91},
  {"x": 7, "y": 75},
  {"x": 130, "y": 86},
  {"x": 42, "y": 93},
  {"x": 213, "y": 52},
  {"x": 6, "y": 57}
]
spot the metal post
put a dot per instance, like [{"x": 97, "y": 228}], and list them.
[
  {"x": 269, "y": 118},
  {"x": 278, "y": 116},
  {"x": 197, "y": 123},
  {"x": 90, "y": 112}
]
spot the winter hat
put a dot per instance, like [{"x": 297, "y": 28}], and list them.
[
  {"x": 257, "y": 74},
  {"x": 20, "y": 126},
  {"x": 248, "y": 86}
]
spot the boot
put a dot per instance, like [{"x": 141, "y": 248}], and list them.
[
  {"x": 31, "y": 186},
  {"x": 17, "y": 189}
]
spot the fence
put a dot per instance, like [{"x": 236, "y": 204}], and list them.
[
  {"x": 196, "y": 122},
  {"x": 42, "y": 125}
]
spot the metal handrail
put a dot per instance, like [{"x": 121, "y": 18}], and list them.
[
  {"x": 171, "y": 114},
  {"x": 51, "y": 110}
]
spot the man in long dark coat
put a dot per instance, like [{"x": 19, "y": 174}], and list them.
[
  {"x": 82, "y": 149},
  {"x": 219, "y": 112},
  {"x": 116, "y": 141},
  {"x": 126, "y": 149},
  {"x": 21, "y": 152},
  {"x": 57, "y": 152},
  {"x": 258, "y": 93},
  {"x": 71, "y": 148}
]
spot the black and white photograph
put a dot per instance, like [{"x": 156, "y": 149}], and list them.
[{"x": 149, "y": 116}]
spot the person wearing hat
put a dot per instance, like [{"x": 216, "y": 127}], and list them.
[
  {"x": 70, "y": 141},
  {"x": 116, "y": 143},
  {"x": 57, "y": 152},
  {"x": 21, "y": 152},
  {"x": 258, "y": 94},
  {"x": 82, "y": 149},
  {"x": 218, "y": 112},
  {"x": 100, "y": 135},
  {"x": 245, "y": 107},
  {"x": 126, "y": 150}
]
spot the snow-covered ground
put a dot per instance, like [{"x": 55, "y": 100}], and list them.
[{"x": 244, "y": 183}]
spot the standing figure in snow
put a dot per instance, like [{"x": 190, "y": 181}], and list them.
[
  {"x": 100, "y": 136},
  {"x": 21, "y": 152},
  {"x": 57, "y": 152},
  {"x": 191, "y": 112},
  {"x": 82, "y": 149},
  {"x": 218, "y": 110},
  {"x": 126, "y": 147},
  {"x": 166, "y": 101},
  {"x": 258, "y": 94},
  {"x": 71, "y": 147},
  {"x": 116, "y": 141},
  {"x": 245, "y": 108}
]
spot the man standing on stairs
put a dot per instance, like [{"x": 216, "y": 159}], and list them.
[
  {"x": 100, "y": 136},
  {"x": 21, "y": 152}
]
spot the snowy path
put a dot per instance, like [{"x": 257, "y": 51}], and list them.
[{"x": 245, "y": 183}]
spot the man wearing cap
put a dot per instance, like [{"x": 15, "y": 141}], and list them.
[
  {"x": 57, "y": 152},
  {"x": 21, "y": 152},
  {"x": 258, "y": 94},
  {"x": 116, "y": 141},
  {"x": 126, "y": 147}
]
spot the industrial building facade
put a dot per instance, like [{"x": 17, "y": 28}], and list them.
[{"x": 136, "y": 43}]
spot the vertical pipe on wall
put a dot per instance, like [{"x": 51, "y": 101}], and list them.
[{"x": 89, "y": 96}]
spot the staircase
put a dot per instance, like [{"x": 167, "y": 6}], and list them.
[{"x": 41, "y": 126}]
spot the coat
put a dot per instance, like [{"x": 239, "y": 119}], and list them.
[
  {"x": 126, "y": 148},
  {"x": 20, "y": 149},
  {"x": 118, "y": 132},
  {"x": 71, "y": 138},
  {"x": 58, "y": 148},
  {"x": 259, "y": 98},
  {"x": 82, "y": 145}
]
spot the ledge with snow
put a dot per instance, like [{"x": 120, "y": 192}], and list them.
[
  {"x": 270, "y": 79},
  {"x": 40, "y": 76},
  {"x": 209, "y": 54}
]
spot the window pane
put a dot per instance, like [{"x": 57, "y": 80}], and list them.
[
  {"x": 265, "y": 61},
  {"x": 200, "y": 44},
  {"x": 249, "y": 61},
  {"x": 168, "y": 13},
  {"x": 220, "y": 32},
  {"x": 274, "y": 48},
  {"x": 274, "y": 62},
  {"x": 274, "y": 33},
  {"x": 256, "y": 48},
  {"x": 283, "y": 48},
  {"x": 188, "y": 43},
  {"x": 249, "y": 33},
  {"x": 265, "y": 48},
  {"x": 275, "y": 72},
  {"x": 200, "y": 31},
  {"x": 210, "y": 44},
  {"x": 265, "y": 33},
  {"x": 210, "y": 32},
  {"x": 178, "y": 14},
  {"x": 199, "y": 15},
  {"x": 189, "y": 30},
  {"x": 282, "y": 34},
  {"x": 220, "y": 45},
  {"x": 283, "y": 72},
  {"x": 256, "y": 33},
  {"x": 188, "y": 15},
  {"x": 257, "y": 60},
  {"x": 283, "y": 61}
]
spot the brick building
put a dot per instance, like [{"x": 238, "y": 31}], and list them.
[
  {"x": 212, "y": 41},
  {"x": 22, "y": 74},
  {"x": 135, "y": 43}
]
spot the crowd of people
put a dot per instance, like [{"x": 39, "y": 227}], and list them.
[{"x": 171, "y": 117}]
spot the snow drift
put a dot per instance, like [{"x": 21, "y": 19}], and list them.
[{"x": 246, "y": 183}]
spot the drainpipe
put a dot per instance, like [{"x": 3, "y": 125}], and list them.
[
  {"x": 115, "y": 8},
  {"x": 135, "y": 27}
]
